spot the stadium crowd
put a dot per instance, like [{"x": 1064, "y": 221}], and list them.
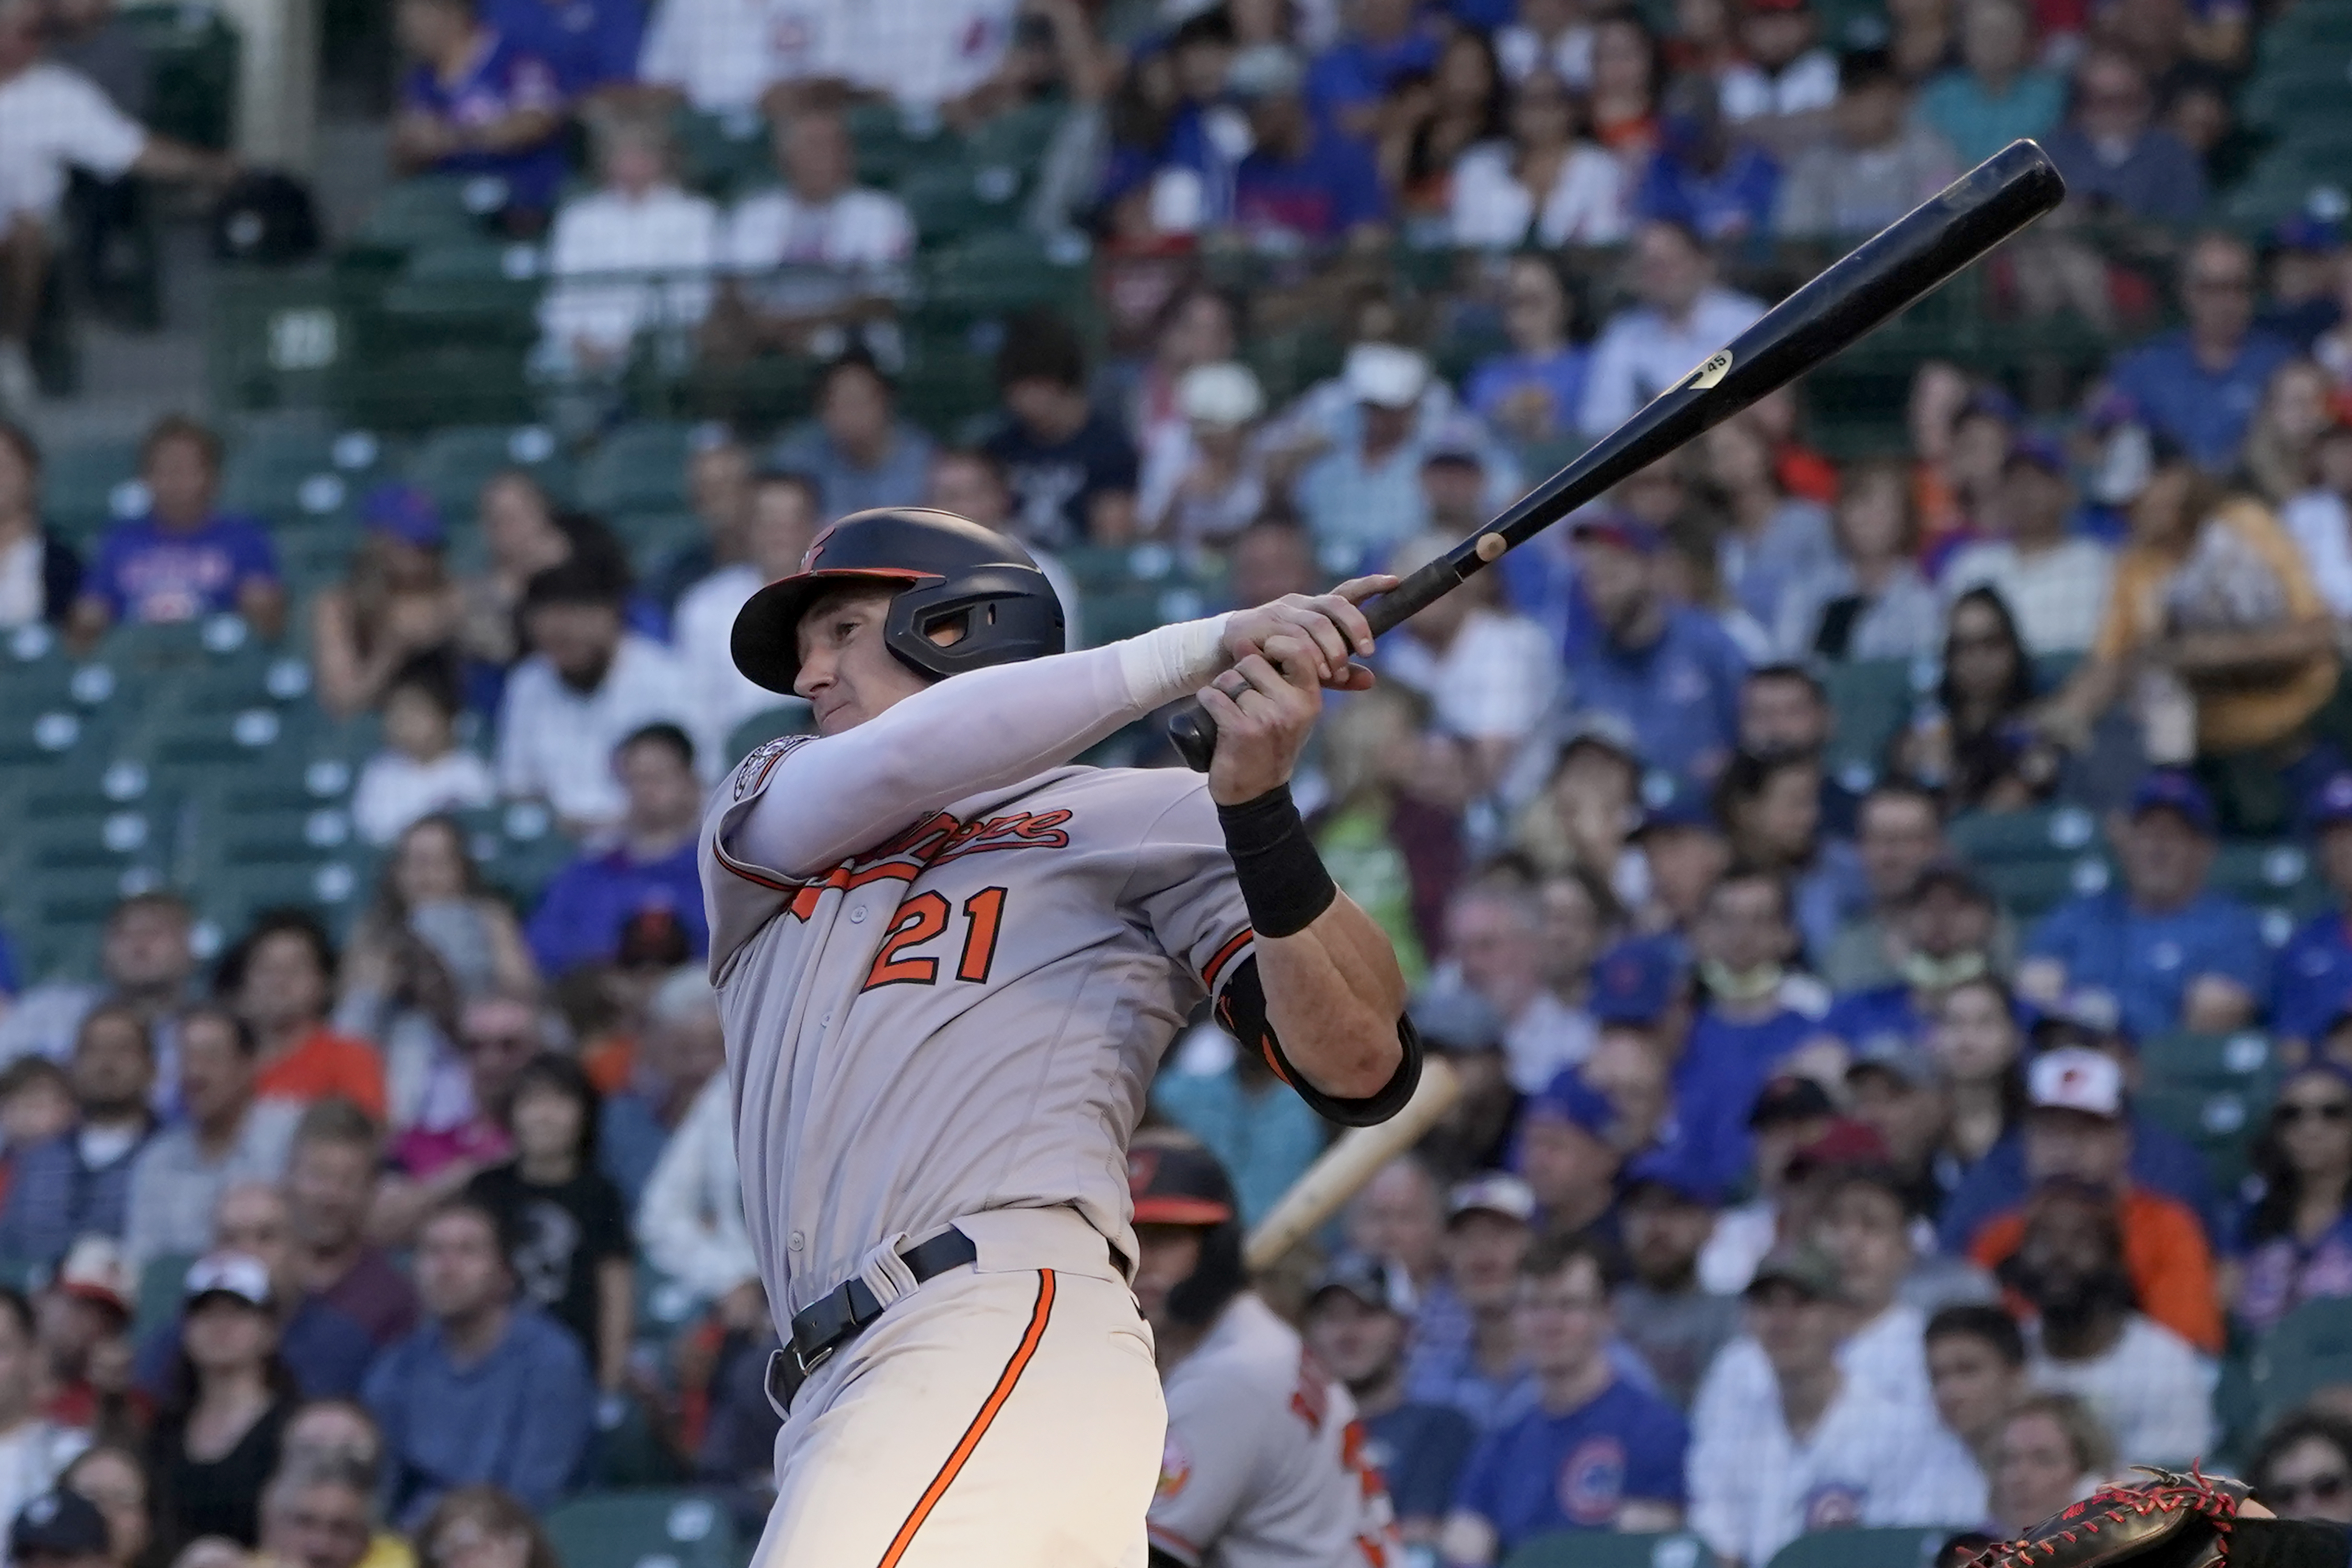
[{"x": 1809, "y": 1172}]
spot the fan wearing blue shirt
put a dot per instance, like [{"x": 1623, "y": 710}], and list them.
[
  {"x": 1385, "y": 43},
  {"x": 1594, "y": 1452},
  {"x": 477, "y": 103},
  {"x": 182, "y": 558},
  {"x": 2201, "y": 385},
  {"x": 1757, "y": 1014},
  {"x": 1944, "y": 935},
  {"x": 1304, "y": 183},
  {"x": 1355, "y": 1324},
  {"x": 1532, "y": 393},
  {"x": 589, "y": 44},
  {"x": 1669, "y": 671},
  {"x": 2314, "y": 968},
  {"x": 2176, "y": 955},
  {"x": 585, "y": 910},
  {"x": 1720, "y": 187}
]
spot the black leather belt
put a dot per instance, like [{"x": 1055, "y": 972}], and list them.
[{"x": 842, "y": 1313}]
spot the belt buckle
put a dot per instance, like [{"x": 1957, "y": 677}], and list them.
[{"x": 809, "y": 1364}]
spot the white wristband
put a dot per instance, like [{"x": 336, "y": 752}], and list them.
[{"x": 1172, "y": 661}]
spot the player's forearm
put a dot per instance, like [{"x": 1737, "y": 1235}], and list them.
[
  {"x": 973, "y": 733},
  {"x": 1333, "y": 994}
]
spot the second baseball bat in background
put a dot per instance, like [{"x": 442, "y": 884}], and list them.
[
  {"x": 1892, "y": 270},
  {"x": 1342, "y": 1171}
]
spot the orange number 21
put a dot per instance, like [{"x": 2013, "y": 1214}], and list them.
[{"x": 924, "y": 917}]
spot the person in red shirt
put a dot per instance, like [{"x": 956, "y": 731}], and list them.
[
  {"x": 281, "y": 979},
  {"x": 2078, "y": 1129}
]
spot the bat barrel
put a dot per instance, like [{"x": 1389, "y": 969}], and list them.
[{"x": 1892, "y": 270}]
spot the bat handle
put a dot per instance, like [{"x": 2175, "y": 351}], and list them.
[{"x": 1193, "y": 734}]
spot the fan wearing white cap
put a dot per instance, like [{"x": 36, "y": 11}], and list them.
[
  {"x": 1365, "y": 491},
  {"x": 2078, "y": 1129},
  {"x": 1203, "y": 481}
]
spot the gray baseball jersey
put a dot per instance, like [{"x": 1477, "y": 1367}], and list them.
[
  {"x": 1263, "y": 1465},
  {"x": 965, "y": 1017}
]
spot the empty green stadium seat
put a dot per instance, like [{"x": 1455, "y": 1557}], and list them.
[
  {"x": 1901, "y": 1547},
  {"x": 784, "y": 719},
  {"x": 950, "y": 201},
  {"x": 160, "y": 1282},
  {"x": 2030, "y": 888},
  {"x": 725, "y": 154},
  {"x": 643, "y": 1529},
  {"x": 517, "y": 847},
  {"x": 638, "y": 467},
  {"x": 1871, "y": 699},
  {"x": 2269, "y": 876},
  {"x": 989, "y": 274},
  {"x": 90, "y": 484},
  {"x": 422, "y": 386},
  {"x": 298, "y": 473},
  {"x": 486, "y": 289},
  {"x": 426, "y": 210},
  {"x": 1988, "y": 837},
  {"x": 890, "y": 144},
  {"x": 1604, "y": 1549},
  {"x": 2221, "y": 1121},
  {"x": 2309, "y": 1350},
  {"x": 2242, "y": 1060},
  {"x": 452, "y": 464}
]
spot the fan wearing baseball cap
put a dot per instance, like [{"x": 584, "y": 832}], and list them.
[
  {"x": 2078, "y": 1129},
  {"x": 2178, "y": 954},
  {"x": 2315, "y": 969}
]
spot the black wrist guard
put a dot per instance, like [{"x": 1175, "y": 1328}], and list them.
[{"x": 1284, "y": 884}]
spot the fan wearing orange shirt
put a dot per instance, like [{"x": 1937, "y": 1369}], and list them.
[
  {"x": 280, "y": 979},
  {"x": 2077, "y": 1128}
]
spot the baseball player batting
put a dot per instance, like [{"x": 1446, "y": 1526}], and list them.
[
  {"x": 1263, "y": 1465},
  {"x": 948, "y": 965}
]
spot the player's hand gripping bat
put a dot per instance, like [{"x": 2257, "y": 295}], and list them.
[{"x": 1893, "y": 270}]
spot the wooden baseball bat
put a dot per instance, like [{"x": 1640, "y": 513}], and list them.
[{"x": 1342, "y": 1171}]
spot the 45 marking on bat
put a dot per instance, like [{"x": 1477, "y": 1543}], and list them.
[{"x": 925, "y": 917}]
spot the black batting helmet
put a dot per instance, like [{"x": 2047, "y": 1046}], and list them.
[
  {"x": 947, "y": 571},
  {"x": 1173, "y": 1181}
]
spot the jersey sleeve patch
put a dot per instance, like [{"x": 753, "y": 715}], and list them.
[{"x": 751, "y": 772}]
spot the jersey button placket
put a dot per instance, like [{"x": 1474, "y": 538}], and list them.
[
  {"x": 858, "y": 917},
  {"x": 798, "y": 1241}
]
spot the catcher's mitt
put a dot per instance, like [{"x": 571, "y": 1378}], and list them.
[{"x": 2169, "y": 1521}]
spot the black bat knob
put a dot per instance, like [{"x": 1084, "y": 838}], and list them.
[{"x": 1193, "y": 734}]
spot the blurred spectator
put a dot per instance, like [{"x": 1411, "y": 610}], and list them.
[
  {"x": 1202, "y": 480},
  {"x": 1071, "y": 468},
  {"x": 2313, "y": 975},
  {"x": 691, "y": 1219},
  {"x": 1495, "y": 950},
  {"x": 2294, "y": 1242},
  {"x": 1865, "y": 1227},
  {"x": 1942, "y": 933},
  {"x": 83, "y": 1322},
  {"x": 1996, "y": 94},
  {"x": 32, "y": 1449},
  {"x": 1684, "y": 317},
  {"x": 1772, "y": 808},
  {"x": 325, "y": 1351},
  {"x": 36, "y": 1104},
  {"x": 724, "y": 60},
  {"x": 2147, "y": 1382},
  {"x": 1196, "y": 326},
  {"x": 2052, "y": 1453},
  {"x": 1227, "y": 1096},
  {"x": 434, "y": 1158},
  {"x": 280, "y": 978},
  {"x": 2202, "y": 383},
  {"x": 79, "y": 1182},
  {"x": 1871, "y": 603},
  {"x": 1899, "y": 833},
  {"x": 786, "y": 510},
  {"x": 679, "y": 1050},
  {"x": 146, "y": 963},
  {"x": 1533, "y": 392},
  {"x": 182, "y": 558},
  {"x": 1962, "y": 435},
  {"x": 431, "y": 893},
  {"x": 1304, "y": 181},
  {"x": 474, "y": 1525},
  {"x": 1876, "y": 164},
  {"x": 2282, "y": 442},
  {"x": 318, "y": 1513},
  {"x": 422, "y": 771},
  {"x": 397, "y": 606},
  {"x": 517, "y": 523},
  {"x": 973, "y": 485},
  {"x": 1757, "y": 1013},
  {"x": 1381, "y": 42},
  {"x": 1922, "y": 38},
  {"x": 1719, "y": 184},
  {"x": 59, "y": 1530},
  {"x": 1665, "y": 669},
  {"x": 1355, "y": 1323},
  {"x": 1771, "y": 542},
  {"x": 1782, "y": 81},
  {"x": 2054, "y": 582},
  {"x": 1566, "y": 1154},
  {"x": 230, "y": 1136},
  {"x": 2117, "y": 161},
  {"x": 229, "y": 1392},
  {"x": 1790, "y": 1116},
  {"x": 1548, "y": 35},
  {"x": 1784, "y": 711},
  {"x": 40, "y": 573},
  {"x": 718, "y": 471},
  {"x": 589, "y": 684},
  {"x": 1976, "y": 1365},
  {"x": 2078, "y": 1140},
  {"x": 329, "y": 1181},
  {"x": 53, "y": 118},
  {"x": 2304, "y": 1467},
  {"x": 1430, "y": 124},
  {"x": 2175, "y": 954},
  {"x": 2320, "y": 518},
  {"x": 477, "y": 103},
  {"x": 1975, "y": 744},
  {"x": 1465, "y": 1352},
  {"x": 858, "y": 449},
  {"x": 840, "y": 246},
  {"x": 1524, "y": 1479},
  {"x": 650, "y": 865},
  {"x": 1674, "y": 1325},
  {"x": 1489, "y": 674},
  {"x": 1400, "y": 1217},
  {"x": 490, "y": 1389},
  {"x": 570, "y": 1255},
  {"x": 1895, "y": 1089},
  {"x": 114, "y": 1477},
  {"x": 1813, "y": 1445},
  {"x": 1584, "y": 821},
  {"x": 1545, "y": 183},
  {"x": 631, "y": 258},
  {"x": 2303, "y": 258}
]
